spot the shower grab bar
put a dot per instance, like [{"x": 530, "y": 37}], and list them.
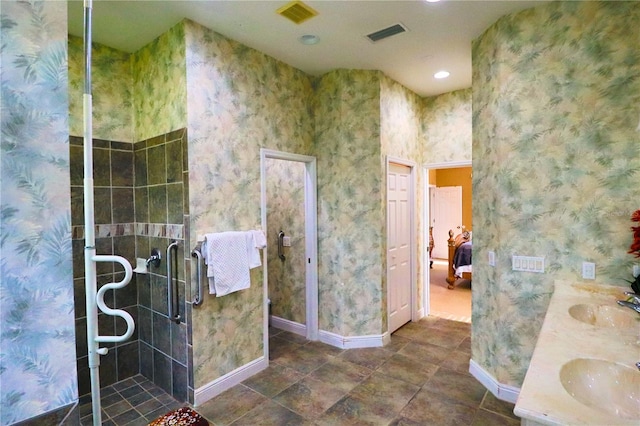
[
  {"x": 197, "y": 253},
  {"x": 281, "y": 246},
  {"x": 128, "y": 273},
  {"x": 170, "y": 281}
]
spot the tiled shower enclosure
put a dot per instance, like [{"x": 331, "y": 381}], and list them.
[{"x": 141, "y": 203}]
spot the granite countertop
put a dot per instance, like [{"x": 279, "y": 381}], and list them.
[{"x": 543, "y": 398}]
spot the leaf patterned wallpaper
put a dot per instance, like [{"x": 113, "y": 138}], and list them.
[
  {"x": 401, "y": 136},
  {"x": 37, "y": 350},
  {"x": 112, "y": 86},
  {"x": 285, "y": 211},
  {"x": 239, "y": 100},
  {"x": 160, "y": 85},
  {"x": 447, "y": 127},
  {"x": 350, "y": 203},
  {"x": 539, "y": 118},
  {"x": 131, "y": 91},
  {"x": 556, "y": 157}
]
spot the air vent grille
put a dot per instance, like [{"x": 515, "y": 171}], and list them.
[
  {"x": 387, "y": 32},
  {"x": 297, "y": 12}
]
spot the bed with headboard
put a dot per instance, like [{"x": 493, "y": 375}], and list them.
[{"x": 460, "y": 249}]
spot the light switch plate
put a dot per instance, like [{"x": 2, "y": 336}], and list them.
[
  {"x": 588, "y": 270},
  {"x": 527, "y": 264},
  {"x": 492, "y": 258}
]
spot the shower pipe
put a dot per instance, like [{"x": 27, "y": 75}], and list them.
[{"x": 95, "y": 298}]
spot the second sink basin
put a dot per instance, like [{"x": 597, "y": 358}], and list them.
[
  {"x": 603, "y": 315},
  {"x": 604, "y": 385}
]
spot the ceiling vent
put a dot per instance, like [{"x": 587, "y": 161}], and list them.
[
  {"x": 387, "y": 32},
  {"x": 297, "y": 12}
]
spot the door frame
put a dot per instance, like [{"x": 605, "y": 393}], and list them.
[
  {"x": 415, "y": 314},
  {"x": 311, "y": 239},
  {"x": 426, "y": 216}
]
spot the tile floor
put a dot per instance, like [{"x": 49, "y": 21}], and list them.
[
  {"x": 132, "y": 402},
  {"x": 420, "y": 378}
]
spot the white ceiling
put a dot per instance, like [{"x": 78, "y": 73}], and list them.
[{"x": 439, "y": 35}]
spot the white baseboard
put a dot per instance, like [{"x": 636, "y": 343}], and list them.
[
  {"x": 420, "y": 314},
  {"x": 288, "y": 325},
  {"x": 342, "y": 342},
  {"x": 229, "y": 380},
  {"x": 501, "y": 391},
  {"x": 352, "y": 342}
]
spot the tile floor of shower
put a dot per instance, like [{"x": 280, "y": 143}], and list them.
[{"x": 420, "y": 378}]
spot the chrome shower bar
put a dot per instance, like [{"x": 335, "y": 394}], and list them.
[
  {"x": 197, "y": 253},
  {"x": 171, "y": 282}
]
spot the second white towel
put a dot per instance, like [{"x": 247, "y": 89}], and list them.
[{"x": 256, "y": 240}]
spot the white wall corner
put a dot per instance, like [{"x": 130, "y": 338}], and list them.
[
  {"x": 229, "y": 380},
  {"x": 501, "y": 391},
  {"x": 386, "y": 338},
  {"x": 353, "y": 342}
]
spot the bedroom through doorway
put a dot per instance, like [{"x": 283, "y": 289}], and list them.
[{"x": 450, "y": 202}]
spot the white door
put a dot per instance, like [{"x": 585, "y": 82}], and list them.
[
  {"x": 399, "y": 245},
  {"x": 447, "y": 208}
]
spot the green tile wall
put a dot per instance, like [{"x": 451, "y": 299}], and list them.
[
  {"x": 114, "y": 217},
  {"x": 160, "y": 219}
]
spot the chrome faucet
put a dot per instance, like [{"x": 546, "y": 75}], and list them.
[
  {"x": 155, "y": 258},
  {"x": 634, "y": 296},
  {"x": 633, "y": 302}
]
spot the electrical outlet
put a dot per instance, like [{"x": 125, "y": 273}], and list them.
[
  {"x": 636, "y": 270},
  {"x": 588, "y": 270},
  {"x": 286, "y": 241},
  {"x": 492, "y": 258}
]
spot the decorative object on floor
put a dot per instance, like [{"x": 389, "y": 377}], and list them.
[
  {"x": 184, "y": 416},
  {"x": 431, "y": 246}
]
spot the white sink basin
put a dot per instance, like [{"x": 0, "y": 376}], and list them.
[
  {"x": 604, "y": 315},
  {"x": 604, "y": 385}
]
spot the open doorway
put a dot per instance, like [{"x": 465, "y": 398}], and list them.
[
  {"x": 289, "y": 219},
  {"x": 449, "y": 198}
]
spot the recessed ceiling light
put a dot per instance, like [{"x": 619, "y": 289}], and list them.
[
  {"x": 442, "y": 74},
  {"x": 309, "y": 39},
  {"x": 433, "y": 1}
]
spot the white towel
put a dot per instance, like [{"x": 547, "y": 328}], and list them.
[
  {"x": 256, "y": 240},
  {"x": 227, "y": 262}
]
